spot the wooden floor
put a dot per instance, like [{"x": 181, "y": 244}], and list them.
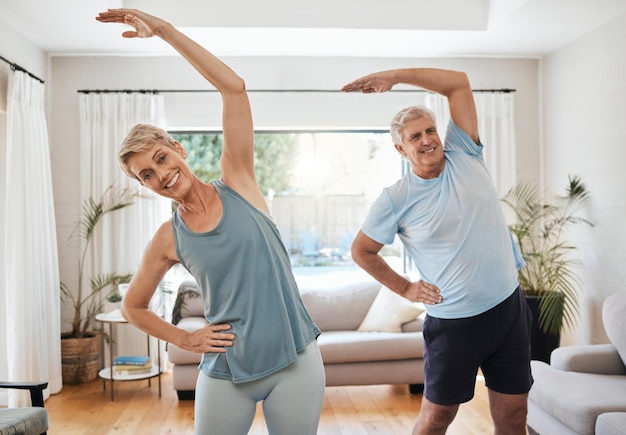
[{"x": 137, "y": 409}]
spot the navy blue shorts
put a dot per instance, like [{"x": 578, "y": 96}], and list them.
[{"x": 496, "y": 341}]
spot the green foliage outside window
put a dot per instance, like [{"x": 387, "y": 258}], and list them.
[{"x": 274, "y": 157}]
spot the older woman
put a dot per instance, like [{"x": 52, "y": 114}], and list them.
[{"x": 260, "y": 344}]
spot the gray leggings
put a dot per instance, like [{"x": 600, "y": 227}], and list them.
[{"x": 292, "y": 400}]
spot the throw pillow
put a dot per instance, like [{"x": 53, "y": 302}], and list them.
[{"x": 389, "y": 311}]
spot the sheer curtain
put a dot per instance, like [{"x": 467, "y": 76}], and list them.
[
  {"x": 496, "y": 127},
  {"x": 30, "y": 281},
  {"x": 105, "y": 119}
]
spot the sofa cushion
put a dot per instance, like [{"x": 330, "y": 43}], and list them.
[
  {"x": 576, "y": 399},
  {"x": 415, "y": 325},
  {"x": 176, "y": 355},
  {"x": 601, "y": 359},
  {"x": 192, "y": 323},
  {"x": 611, "y": 423},
  {"x": 24, "y": 420},
  {"x": 614, "y": 319},
  {"x": 189, "y": 301},
  {"x": 389, "y": 312},
  {"x": 340, "y": 308},
  {"x": 351, "y": 346}
]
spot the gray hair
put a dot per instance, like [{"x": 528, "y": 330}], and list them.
[
  {"x": 140, "y": 138},
  {"x": 402, "y": 117}
]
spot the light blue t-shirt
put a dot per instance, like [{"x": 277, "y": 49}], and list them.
[
  {"x": 454, "y": 229},
  {"x": 244, "y": 272}
]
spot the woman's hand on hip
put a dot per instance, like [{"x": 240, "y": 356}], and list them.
[{"x": 211, "y": 338}]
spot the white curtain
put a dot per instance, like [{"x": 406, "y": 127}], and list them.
[
  {"x": 30, "y": 281},
  {"x": 496, "y": 127},
  {"x": 105, "y": 119}
]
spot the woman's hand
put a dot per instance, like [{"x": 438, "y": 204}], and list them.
[
  {"x": 145, "y": 25},
  {"x": 208, "y": 339}
]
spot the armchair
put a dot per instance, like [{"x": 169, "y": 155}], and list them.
[
  {"x": 583, "y": 389},
  {"x": 31, "y": 420}
]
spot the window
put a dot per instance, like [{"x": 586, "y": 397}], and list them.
[{"x": 319, "y": 186}]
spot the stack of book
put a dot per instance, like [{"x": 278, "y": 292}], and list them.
[{"x": 132, "y": 365}]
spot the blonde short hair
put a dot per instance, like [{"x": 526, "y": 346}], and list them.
[
  {"x": 140, "y": 138},
  {"x": 402, "y": 117}
]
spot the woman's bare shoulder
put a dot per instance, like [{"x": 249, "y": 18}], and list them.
[{"x": 163, "y": 243}]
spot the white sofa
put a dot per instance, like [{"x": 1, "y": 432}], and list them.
[
  {"x": 388, "y": 349},
  {"x": 583, "y": 389}
]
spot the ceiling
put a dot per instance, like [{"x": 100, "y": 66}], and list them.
[{"x": 389, "y": 28}]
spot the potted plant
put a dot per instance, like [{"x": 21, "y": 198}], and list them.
[
  {"x": 79, "y": 346},
  {"x": 551, "y": 277}
]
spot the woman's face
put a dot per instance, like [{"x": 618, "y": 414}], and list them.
[{"x": 162, "y": 169}]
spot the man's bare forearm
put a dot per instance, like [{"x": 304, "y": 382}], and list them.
[{"x": 379, "y": 269}]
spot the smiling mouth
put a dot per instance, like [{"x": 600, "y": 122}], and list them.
[{"x": 173, "y": 180}]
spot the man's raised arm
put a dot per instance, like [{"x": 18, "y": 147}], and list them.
[{"x": 454, "y": 85}]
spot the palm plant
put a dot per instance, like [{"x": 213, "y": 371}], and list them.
[
  {"x": 551, "y": 274},
  {"x": 87, "y": 303}
]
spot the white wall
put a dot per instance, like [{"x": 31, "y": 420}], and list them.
[
  {"x": 584, "y": 94},
  {"x": 17, "y": 48}
]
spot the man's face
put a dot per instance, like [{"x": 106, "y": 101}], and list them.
[{"x": 421, "y": 146}]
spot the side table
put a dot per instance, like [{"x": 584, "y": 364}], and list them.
[{"x": 107, "y": 373}]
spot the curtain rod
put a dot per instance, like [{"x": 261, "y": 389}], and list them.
[
  {"x": 16, "y": 67},
  {"x": 163, "y": 91}
]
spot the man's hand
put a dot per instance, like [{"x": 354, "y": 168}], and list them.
[
  {"x": 423, "y": 292},
  {"x": 208, "y": 339},
  {"x": 378, "y": 82},
  {"x": 145, "y": 25}
]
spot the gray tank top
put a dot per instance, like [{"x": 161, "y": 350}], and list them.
[{"x": 245, "y": 275}]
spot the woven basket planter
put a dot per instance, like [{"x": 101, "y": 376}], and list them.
[{"x": 79, "y": 359}]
